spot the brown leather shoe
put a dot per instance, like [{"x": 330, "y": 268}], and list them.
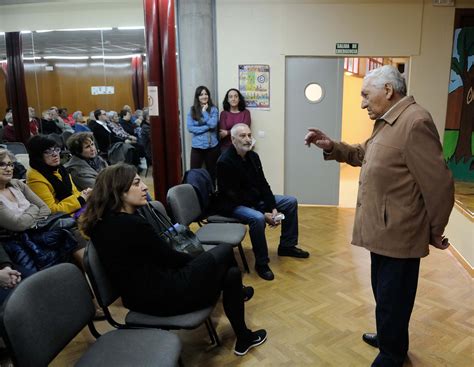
[{"x": 371, "y": 339}]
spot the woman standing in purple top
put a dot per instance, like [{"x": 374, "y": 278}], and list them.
[{"x": 234, "y": 113}]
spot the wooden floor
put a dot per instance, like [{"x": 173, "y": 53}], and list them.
[{"x": 316, "y": 310}]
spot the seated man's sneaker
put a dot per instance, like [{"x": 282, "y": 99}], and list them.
[
  {"x": 293, "y": 252},
  {"x": 264, "y": 272},
  {"x": 256, "y": 338}
]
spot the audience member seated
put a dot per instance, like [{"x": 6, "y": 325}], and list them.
[
  {"x": 34, "y": 121},
  {"x": 9, "y": 109},
  {"x": 145, "y": 135},
  {"x": 29, "y": 245},
  {"x": 91, "y": 121},
  {"x": 8, "y": 128},
  {"x": 50, "y": 180},
  {"x": 150, "y": 276},
  {"x": 247, "y": 196},
  {"x": 85, "y": 164},
  {"x": 62, "y": 112},
  {"x": 125, "y": 121},
  {"x": 103, "y": 134},
  {"x": 80, "y": 125},
  {"x": 117, "y": 128},
  {"x": 58, "y": 120},
  {"x": 48, "y": 126},
  {"x": 10, "y": 275}
]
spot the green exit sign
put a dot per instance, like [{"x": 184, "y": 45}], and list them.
[{"x": 347, "y": 48}]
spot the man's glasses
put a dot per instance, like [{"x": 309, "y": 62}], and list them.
[
  {"x": 4, "y": 165},
  {"x": 52, "y": 151}
]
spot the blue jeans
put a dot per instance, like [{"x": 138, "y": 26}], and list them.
[{"x": 255, "y": 218}]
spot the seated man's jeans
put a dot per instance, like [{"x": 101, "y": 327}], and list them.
[{"x": 255, "y": 218}]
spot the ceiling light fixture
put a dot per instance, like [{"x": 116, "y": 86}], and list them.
[
  {"x": 130, "y": 28},
  {"x": 65, "y": 57},
  {"x": 118, "y": 57},
  {"x": 84, "y": 29}
]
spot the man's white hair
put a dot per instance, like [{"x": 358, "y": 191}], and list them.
[
  {"x": 388, "y": 74},
  {"x": 233, "y": 131}
]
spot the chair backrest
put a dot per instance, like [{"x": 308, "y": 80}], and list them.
[
  {"x": 45, "y": 312},
  {"x": 202, "y": 183},
  {"x": 103, "y": 289},
  {"x": 158, "y": 205},
  {"x": 184, "y": 204},
  {"x": 16, "y": 147}
]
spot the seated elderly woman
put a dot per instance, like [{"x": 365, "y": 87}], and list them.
[
  {"x": 85, "y": 164},
  {"x": 80, "y": 124},
  {"x": 21, "y": 212},
  {"x": 150, "y": 276}
]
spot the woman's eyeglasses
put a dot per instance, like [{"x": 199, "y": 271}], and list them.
[
  {"x": 52, "y": 151},
  {"x": 4, "y": 165}
]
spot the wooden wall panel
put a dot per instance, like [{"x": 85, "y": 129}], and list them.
[
  {"x": 3, "y": 97},
  {"x": 69, "y": 84}
]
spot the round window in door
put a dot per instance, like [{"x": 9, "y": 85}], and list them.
[{"x": 314, "y": 93}]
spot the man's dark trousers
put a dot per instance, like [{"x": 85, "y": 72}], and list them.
[{"x": 394, "y": 283}]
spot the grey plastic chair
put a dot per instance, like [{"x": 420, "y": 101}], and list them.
[
  {"x": 16, "y": 147},
  {"x": 186, "y": 209},
  {"x": 47, "y": 310},
  {"x": 106, "y": 294}
]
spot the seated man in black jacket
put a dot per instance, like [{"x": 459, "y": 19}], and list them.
[{"x": 248, "y": 197}]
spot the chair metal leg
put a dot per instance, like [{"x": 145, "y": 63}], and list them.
[
  {"x": 209, "y": 331},
  {"x": 180, "y": 362},
  {"x": 214, "y": 332},
  {"x": 244, "y": 260}
]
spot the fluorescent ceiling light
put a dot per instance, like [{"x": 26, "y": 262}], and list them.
[
  {"x": 84, "y": 29},
  {"x": 114, "y": 57},
  {"x": 32, "y": 58},
  {"x": 2, "y": 33},
  {"x": 44, "y": 31},
  {"x": 25, "y": 32},
  {"x": 65, "y": 57},
  {"x": 129, "y": 28}
]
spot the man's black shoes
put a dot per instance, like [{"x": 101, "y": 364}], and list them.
[
  {"x": 264, "y": 272},
  {"x": 293, "y": 252},
  {"x": 371, "y": 339}
]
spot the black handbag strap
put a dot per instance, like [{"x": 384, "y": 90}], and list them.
[{"x": 152, "y": 217}]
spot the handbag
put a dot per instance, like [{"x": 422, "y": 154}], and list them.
[
  {"x": 58, "y": 220},
  {"x": 177, "y": 236}
]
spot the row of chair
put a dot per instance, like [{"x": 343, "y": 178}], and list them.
[{"x": 47, "y": 310}]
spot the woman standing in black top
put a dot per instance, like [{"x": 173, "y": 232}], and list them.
[{"x": 150, "y": 276}]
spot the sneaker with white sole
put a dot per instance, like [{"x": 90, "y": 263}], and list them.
[{"x": 256, "y": 338}]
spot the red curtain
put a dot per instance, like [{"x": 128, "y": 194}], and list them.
[{"x": 138, "y": 84}]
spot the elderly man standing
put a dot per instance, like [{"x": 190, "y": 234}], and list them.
[
  {"x": 248, "y": 197},
  {"x": 405, "y": 198}
]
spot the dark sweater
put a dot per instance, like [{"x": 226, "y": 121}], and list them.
[
  {"x": 242, "y": 181},
  {"x": 150, "y": 276}
]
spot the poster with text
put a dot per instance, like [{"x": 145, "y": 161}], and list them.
[{"x": 254, "y": 84}]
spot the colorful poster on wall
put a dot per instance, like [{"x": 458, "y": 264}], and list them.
[
  {"x": 459, "y": 136},
  {"x": 254, "y": 84}
]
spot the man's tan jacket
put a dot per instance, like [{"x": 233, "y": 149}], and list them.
[{"x": 406, "y": 190}]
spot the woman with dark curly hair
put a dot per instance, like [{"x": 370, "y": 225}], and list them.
[{"x": 234, "y": 113}]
